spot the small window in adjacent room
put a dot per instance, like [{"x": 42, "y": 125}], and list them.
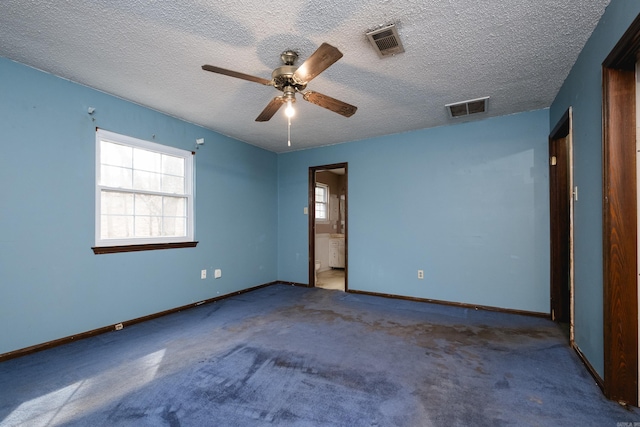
[
  {"x": 322, "y": 202},
  {"x": 144, "y": 192}
]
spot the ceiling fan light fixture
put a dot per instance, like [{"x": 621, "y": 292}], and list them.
[
  {"x": 289, "y": 111},
  {"x": 289, "y": 97}
]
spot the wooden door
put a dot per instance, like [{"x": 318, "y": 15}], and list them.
[{"x": 620, "y": 220}]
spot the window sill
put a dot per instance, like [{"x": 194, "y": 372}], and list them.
[{"x": 99, "y": 250}]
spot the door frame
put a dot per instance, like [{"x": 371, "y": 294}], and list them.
[
  {"x": 562, "y": 257},
  {"x": 312, "y": 220},
  {"x": 619, "y": 218}
]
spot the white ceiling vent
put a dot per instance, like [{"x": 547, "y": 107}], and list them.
[
  {"x": 386, "y": 41},
  {"x": 465, "y": 108}
]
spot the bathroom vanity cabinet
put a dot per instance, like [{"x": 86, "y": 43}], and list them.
[{"x": 336, "y": 252}]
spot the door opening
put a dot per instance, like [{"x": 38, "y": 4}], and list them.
[
  {"x": 328, "y": 226},
  {"x": 561, "y": 198}
]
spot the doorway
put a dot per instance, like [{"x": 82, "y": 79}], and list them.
[
  {"x": 328, "y": 226},
  {"x": 561, "y": 197}
]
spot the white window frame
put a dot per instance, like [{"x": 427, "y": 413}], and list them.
[
  {"x": 189, "y": 175},
  {"x": 326, "y": 188}
]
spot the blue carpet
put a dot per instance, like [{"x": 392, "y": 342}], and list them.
[{"x": 291, "y": 356}]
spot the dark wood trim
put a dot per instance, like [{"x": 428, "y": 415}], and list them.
[
  {"x": 560, "y": 220},
  {"x": 455, "y": 304},
  {"x": 561, "y": 128},
  {"x": 99, "y": 250},
  {"x": 619, "y": 229},
  {"x": 331, "y": 166},
  {"x": 589, "y": 367},
  {"x": 346, "y": 227},
  {"x": 55, "y": 343},
  {"x": 624, "y": 54},
  {"x": 311, "y": 212},
  {"x": 301, "y": 285},
  {"x": 619, "y": 218},
  {"x": 104, "y": 329}
]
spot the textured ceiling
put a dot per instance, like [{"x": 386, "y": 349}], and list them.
[{"x": 150, "y": 52}]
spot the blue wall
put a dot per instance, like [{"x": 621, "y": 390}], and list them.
[
  {"x": 51, "y": 283},
  {"x": 468, "y": 204},
  {"x": 583, "y": 91}
]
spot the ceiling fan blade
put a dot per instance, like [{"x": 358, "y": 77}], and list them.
[
  {"x": 270, "y": 109},
  {"x": 319, "y": 61},
  {"x": 236, "y": 74},
  {"x": 330, "y": 103}
]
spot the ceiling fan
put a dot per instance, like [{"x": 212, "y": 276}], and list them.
[{"x": 290, "y": 79}]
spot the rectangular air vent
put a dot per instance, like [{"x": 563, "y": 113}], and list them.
[
  {"x": 385, "y": 40},
  {"x": 465, "y": 108}
]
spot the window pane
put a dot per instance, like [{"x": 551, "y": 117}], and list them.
[
  {"x": 115, "y": 154},
  {"x": 142, "y": 188},
  {"x": 148, "y": 205},
  {"x": 113, "y": 203},
  {"x": 172, "y": 165},
  {"x": 148, "y": 226},
  {"x": 147, "y": 181},
  {"x": 174, "y": 227},
  {"x": 175, "y": 206},
  {"x": 172, "y": 184},
  {"x": 321, "y": 194},
  {"x": 147, "y": 160},
  {"x": 116, "y": 226},
  {"x": 115, "y": 176}
]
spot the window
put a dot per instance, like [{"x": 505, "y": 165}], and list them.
[
  {"x": 144, "y": 192},
  {"x": 322, "y": 202}
]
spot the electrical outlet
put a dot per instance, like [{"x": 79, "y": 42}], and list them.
[
  {"x": 203, "y": 274},
  {"x": 420, "y": 274},
  {"x": 217, "y": 273},
  {"x": 119, "y": 327}
]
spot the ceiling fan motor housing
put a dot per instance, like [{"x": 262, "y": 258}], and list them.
[{"x": 283, "y": 77}]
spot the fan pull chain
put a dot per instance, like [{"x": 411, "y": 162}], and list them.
[{"x": 289, "y": 133}]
